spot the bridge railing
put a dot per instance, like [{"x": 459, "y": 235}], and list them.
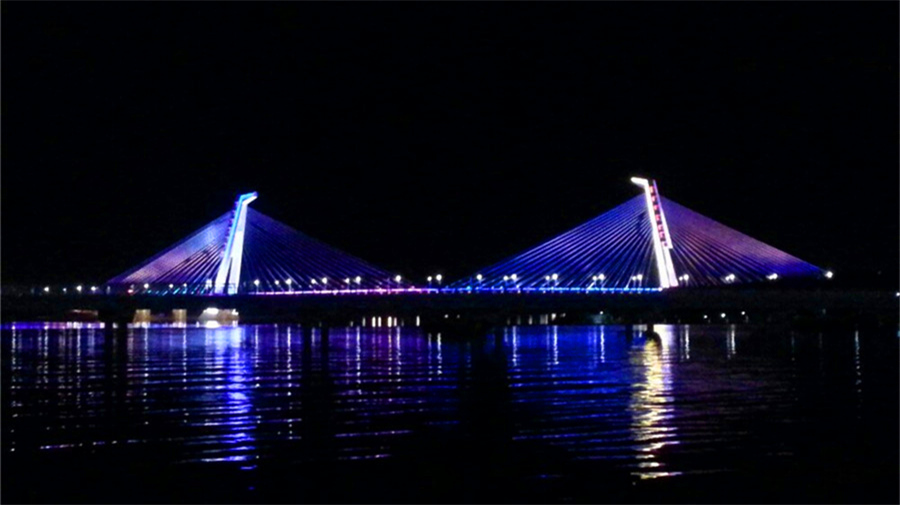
[
  {"x": 57, "y": 290},
  {"x": 204, "y": 289}
]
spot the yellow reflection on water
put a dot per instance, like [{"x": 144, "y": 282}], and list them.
[{"x": 651, "y": 403}]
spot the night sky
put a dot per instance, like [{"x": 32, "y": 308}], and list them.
[{"x": 444, "y": 137}]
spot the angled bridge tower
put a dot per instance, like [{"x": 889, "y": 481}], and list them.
[
  {"x": 647, "y": 243},
  {"x": 229, "y": 273},
  {"x": 247, "y": 252},
  {"x": 659, "y": 230}
]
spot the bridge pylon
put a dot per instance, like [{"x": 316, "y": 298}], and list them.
[
  {"x": 228, "y": 276},
  {"x": 659, "y": 229}
]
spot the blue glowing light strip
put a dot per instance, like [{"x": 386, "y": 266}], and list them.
[{"x": 499, "y": 290}]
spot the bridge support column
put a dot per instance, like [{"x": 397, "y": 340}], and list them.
[
  {"x": 228, "y": 277},
  {"x": 662, "y": 242}
]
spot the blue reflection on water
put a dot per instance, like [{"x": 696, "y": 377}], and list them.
[{"x": 239, "y": 395}]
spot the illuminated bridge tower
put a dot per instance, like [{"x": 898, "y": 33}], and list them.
[
  {"x": 659, "y": 230},
  {"x": 229, "y": 274}
]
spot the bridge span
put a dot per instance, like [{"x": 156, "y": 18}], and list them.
[
  {"x": 647, "y": 244},
  {"x": 649, "y": 257}
]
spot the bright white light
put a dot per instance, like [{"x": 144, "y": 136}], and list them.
[
  {"x": 184, "y": 285},
  {"x": 212, "y": 311},
  {"x": 438, "y": 277},
  {"x": 277, "y": 283},
  {"x": 743, "y": 313},
  {"x": 94, "y": 288},
  {"x": 478, "y": 277},
  {"x": 287, "y": 281},
  {"x": 429, "y": 278},
  {"x": 146, "y": 286},
  {"x": 514, "y": 277},
  {"x": 639, "y": 277},
  {"x": 311, "y": 281},
  {"x": 256, "y": 282},
  {"x": 170, "y": 287},
  {"x": 772, "y": 277},
  {"x": 829, "y": 274},
  {"x": 594, "y": 278},
  {"x": 554, "y": 276},
  {"x": 505, "y": 277},
  {"x": 722, "y": 315},
  {"x": 397, "y": 278},
  {"x": 46, "y": 289},
  {"x": 601, "y": 277},
  {"x": 347, "y": 280},
  {"x": 660, "y": 250},
  {"x": 547, "y": 278},
  {"x": 358, "y": 279},
  {"x": 324, "y": 280},
  {"x": 228, "y": 275},
  {"x": 78, "y": 288}
]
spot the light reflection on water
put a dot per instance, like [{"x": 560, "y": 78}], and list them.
[
  {"x": 239, "y": 395},
  {"x": 651, "y": 404}
]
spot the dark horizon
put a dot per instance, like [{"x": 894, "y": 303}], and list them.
[{"x": 430, "y": 138}]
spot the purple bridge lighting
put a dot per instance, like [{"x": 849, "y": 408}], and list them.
[
  {"x": 647, "y": 244},
  {"x": 247, "y": 252}
]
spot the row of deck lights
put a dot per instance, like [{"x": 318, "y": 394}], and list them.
[
  {"x": 555, "y": 278},
  {"x": 438, "y": 278},
  {"x": 724, "y": 315},
  {"x": 256, "y": 283},
  {"x": 79, "y": 288},
  {"x": 315, "y": 282},
  {"x": 638, "y": 278}
]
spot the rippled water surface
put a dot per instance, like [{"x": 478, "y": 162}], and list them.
[{"x": 528, "y": 413}]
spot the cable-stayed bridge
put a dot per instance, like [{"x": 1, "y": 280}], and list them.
[
  {"x": 245, "y": 251},
  {"x": 647, "y": 244}
]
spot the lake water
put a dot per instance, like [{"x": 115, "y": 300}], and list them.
[{"x": 523, "y": 414}]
